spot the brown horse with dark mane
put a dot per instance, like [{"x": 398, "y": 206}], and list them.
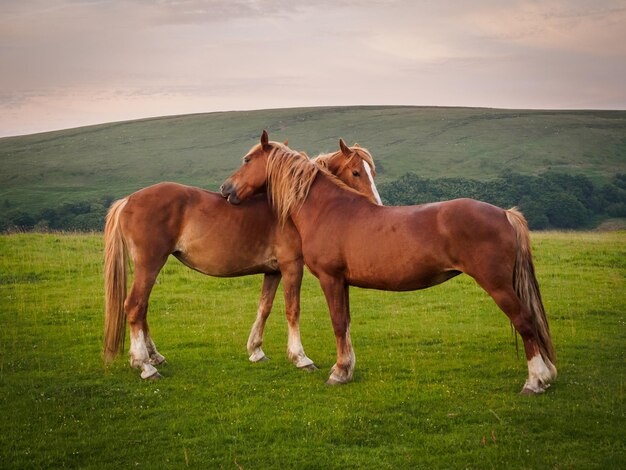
[
  {"x": 347, "y": 240},
  {"x": 215, "y": 238}
]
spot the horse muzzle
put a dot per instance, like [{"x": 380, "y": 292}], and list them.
[{"x": 228, "y": 191}]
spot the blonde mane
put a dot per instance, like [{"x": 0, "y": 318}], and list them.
[
  {"x": 289, "y": 178},
  {"x": 323, "y": 159},
  {"x": 290, "y": 175}
]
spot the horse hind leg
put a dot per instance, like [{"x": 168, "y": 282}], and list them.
[
  {"x": 255, "y": 340},
  {"x": 142, "y": 351},
  {"x": 540, "y": 373}
]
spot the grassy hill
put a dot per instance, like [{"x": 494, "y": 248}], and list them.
[{"x": 45, "y": 170}]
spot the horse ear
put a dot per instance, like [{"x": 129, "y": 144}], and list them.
[
  {"x": 357, "y": 145},
  {"x": 265, "y": 140},
  {"x": 286, "y": 142},
  {"x": 344, "y": 148}
]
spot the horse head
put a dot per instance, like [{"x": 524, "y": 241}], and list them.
[
  {"x": 251, "y": 177},
  {"x": 355, "y": 167},
  {"x": 287, "y": 175}
]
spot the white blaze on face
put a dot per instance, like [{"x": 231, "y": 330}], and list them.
[{"x": 374, "y": 190}]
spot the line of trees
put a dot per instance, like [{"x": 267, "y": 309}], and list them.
[
  {"x": 552, "y": 200},
  {"x": 82, "y": 216}
]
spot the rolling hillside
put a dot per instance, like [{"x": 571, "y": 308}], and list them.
[{"x": 45, "y": 170}]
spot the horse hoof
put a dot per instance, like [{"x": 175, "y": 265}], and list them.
[
  {"x": 155, "y": 376},
  {"x": 149, "y": 372},
  {"x": 258, "y": 356},
  {"x": 261, "y": 359},
  {"x": 334, "y": 381},
  {"x": 533, "y": 391},
  {"x": 309, "y": 368}
]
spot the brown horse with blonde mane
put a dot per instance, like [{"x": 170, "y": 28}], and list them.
[
  {"x": 347, "y": 240},
  {"x": 215, "y": 238}
]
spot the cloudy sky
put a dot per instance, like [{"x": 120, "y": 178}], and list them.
[{"x": 67, "y": 63}]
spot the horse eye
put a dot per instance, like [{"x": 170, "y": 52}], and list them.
[
  {"x": 355, "y": 173},
  {"x": 246, "y": 160}
]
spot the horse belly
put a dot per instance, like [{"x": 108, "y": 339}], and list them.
[
  {"x": 399, "y": 280},
  {"x": 224, "y": 256},
  {"x": 402, "y": 266},
  {"x": 220, "y": 267}
]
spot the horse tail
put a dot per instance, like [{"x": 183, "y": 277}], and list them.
[
  {"x": 526, "y": 285},
  {"x": 115, "y": 276}
]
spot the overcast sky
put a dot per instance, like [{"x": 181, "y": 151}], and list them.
[{"x": 67, "y": 63}]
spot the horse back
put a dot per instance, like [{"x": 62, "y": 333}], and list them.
[{"x": 201, "y": 229}]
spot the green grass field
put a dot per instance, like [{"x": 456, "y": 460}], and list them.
[
  {"x": 436, "y": 386},
  {"x": 46, "y": 170}
]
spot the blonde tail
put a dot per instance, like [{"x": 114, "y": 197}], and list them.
[
  {"x": 526, "y": 285},
  {"x": 115, "y": 275}
]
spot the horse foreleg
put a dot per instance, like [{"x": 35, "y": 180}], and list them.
[
  {"x": 255, "y": 340},
  {"x": 337, "y": 298},
  {"x": 292, "y": 282}
]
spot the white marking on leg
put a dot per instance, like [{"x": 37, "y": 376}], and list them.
[
  {"x": 374, "y": 189},
  {"x": 255, "y": 340},
  {"x": 295, "y": 350},
  {"x": 552, "y": 369},
  {"x": 138, "y": 350},
  {"x": 539, "y": 375}
]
